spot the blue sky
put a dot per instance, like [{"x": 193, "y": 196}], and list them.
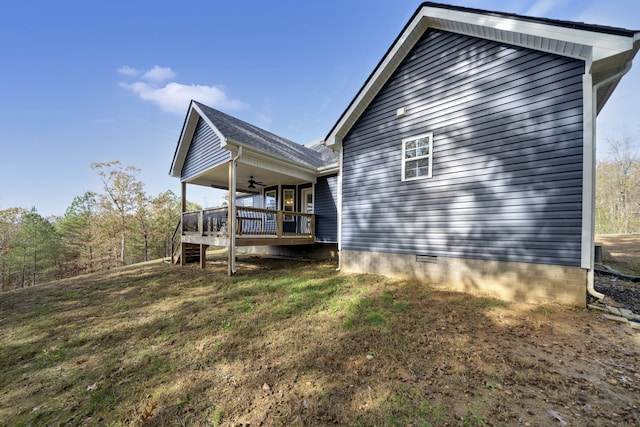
[{"x": 94, "y": 81}]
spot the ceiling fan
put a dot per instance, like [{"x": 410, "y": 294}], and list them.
[{"x": 253, "y": 182}]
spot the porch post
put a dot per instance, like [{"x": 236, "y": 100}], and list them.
[
  {"x": 184, "y": 197},
  {"x": 231, "y": 218},
  {"x": 203, "y": 256}
]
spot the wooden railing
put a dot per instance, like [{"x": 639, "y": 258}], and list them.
[
  {"x": 175, "y": 241},
  {"x": 250, "y": 222}
]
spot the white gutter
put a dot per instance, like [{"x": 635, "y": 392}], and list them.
[{"x": 591, "y": 238}]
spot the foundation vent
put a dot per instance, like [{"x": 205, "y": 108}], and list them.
[{"x": 428, "y": 259}]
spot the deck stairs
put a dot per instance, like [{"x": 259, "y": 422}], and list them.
[{"x": 191, "y": 253}]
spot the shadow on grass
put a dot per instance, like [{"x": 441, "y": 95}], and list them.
[{"x": 281, "y": 343}]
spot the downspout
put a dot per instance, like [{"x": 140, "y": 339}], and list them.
[
  {"x": 231, "y": 220},
  {"x": 590, "y": 275},
  {"x": 339, "y": 207}
]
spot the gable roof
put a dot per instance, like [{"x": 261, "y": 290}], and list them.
[
  {"x": 607, "y": 51},
  {"x": 235, "y": 132}
]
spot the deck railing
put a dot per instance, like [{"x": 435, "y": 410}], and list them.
[{"x": 250, "y": 222}]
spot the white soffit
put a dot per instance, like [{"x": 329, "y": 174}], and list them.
[{"x": 572, "y": 42}]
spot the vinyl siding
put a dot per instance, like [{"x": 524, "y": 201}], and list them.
[
  {"x": 326, "y": 209},
  {"x": 507, "y": 156},
  {"x": 204, "y": 151}
]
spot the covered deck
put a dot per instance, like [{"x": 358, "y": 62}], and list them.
[
  {"x": 219, "y": 151},
  {"x": 254, "y": 227}
]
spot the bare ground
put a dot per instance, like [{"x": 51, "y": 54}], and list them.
[{"x": 296, "y": 343}]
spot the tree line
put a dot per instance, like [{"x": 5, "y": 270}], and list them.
[
  {"x": 118, "y": 226},
  {"x": 618, "y": 188}
]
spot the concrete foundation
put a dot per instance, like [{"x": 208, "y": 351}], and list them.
[{"x": 508, "y": 281}]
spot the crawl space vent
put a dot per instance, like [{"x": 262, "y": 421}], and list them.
[{"x": 429, "y": 259}]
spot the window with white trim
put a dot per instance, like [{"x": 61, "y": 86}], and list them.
[{"x": 417, "y": 157}]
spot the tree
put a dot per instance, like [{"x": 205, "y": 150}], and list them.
[
  {"x": 618, "y": 188},
  {"x": 9, "y": 224},
  {"x": 143, "y": 217},
  {"x": 35, "y": 249},
  {"x": 166, "y": 215},
  {"x": 122, "y": 187},
  {"x": 77, "y": 231}
]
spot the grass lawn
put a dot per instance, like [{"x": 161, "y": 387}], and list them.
[{"x": 288, "y": 342}]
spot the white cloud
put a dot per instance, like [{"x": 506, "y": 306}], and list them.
[
  {"x": 159, "y": 74},
  {"x": 128, "y": 71},
  {"x": 174, "y": 97}
]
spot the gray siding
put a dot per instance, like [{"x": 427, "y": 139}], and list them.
[
  {"x": 507, "y": 156},
  {"x": 326, "y": 209},
  {"x": 204, "y": 151}
]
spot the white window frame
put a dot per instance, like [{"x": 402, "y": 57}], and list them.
[{"x": 429, "y": 156}]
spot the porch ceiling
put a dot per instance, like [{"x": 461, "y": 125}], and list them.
[{"x": 218, "y": 177}]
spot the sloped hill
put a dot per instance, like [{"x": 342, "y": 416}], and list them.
[{"x": 288, "y": 342}]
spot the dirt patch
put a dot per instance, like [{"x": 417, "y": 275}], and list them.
[
  {"x": 622, "y": 253},
  {"x": 296, "y": 343}
]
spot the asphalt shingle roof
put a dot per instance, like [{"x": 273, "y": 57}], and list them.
[{"x": 266, "y": 141}]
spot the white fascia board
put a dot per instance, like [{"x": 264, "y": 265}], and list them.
[
  {"x": 328, "y": 170},
  {"x": 381, "y": 74},
  {"x": 184, "y": 142},
  {"x": 204, "y": 117}
]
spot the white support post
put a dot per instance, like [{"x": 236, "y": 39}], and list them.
[{"x": 231, "y": 217}]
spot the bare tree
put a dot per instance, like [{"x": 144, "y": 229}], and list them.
[
  {"x": 121, "y": 185},
  {"x": 618, "y": 188}
]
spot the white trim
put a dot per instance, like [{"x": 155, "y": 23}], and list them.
[
  {"x": 213, "y": 127},
  {"x": 534, "y": 35},
  {"x": 284, "y": 206},
  {"x": 186, "y": 134},
  {"x": 339, "y": 207},
  {"x": 305, "y": 192},
  {"x": 429, "y": 157},
  {"x": 588, "y": 172}
]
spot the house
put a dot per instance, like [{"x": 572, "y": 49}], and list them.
[
  {"x": 281, "y": 193},
  {"x": 467, "y": 159}
]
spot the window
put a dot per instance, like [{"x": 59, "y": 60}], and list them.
[
  {"x": 289, "y": 199},
  {"x": 270, "y": 202},
  {"x": 417, "y": 157}
]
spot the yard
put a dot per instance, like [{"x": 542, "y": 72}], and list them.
[{"x": 291, "y": 342}]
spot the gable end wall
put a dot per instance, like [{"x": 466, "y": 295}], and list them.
[
  {"x": 204, "y": 152},
  {"x": 507, "y": 156}
]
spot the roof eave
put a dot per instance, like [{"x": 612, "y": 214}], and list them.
[{"x": 580, "y": 43}]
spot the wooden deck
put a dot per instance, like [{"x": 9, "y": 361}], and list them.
[{"x": 255, "y": 227}]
